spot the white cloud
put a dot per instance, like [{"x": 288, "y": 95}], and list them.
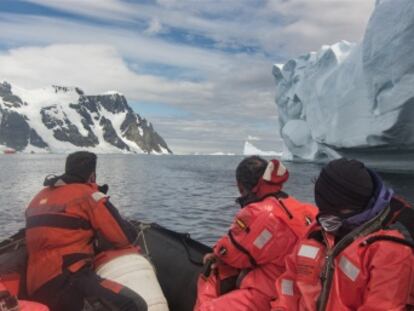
[
  {"x": 34, "y": 30},
  {"x": 104, "y": 9},
  {"x": 154, "y": 27},
  {"x": 225, "y": 93},
  {"x": 317, "y": 22},
  {"x": 276, "y": 26},
  {"x": 230, "y": 83},
  {"x": 222, "y": 107},
  {"x": 213, "y": 135},
  {"x": 96, "y": 68}
]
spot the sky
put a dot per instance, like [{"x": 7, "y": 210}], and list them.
[{"x": 199, "y": 70}]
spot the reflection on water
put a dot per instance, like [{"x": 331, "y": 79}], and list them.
[{"x": 186, "y": 193}]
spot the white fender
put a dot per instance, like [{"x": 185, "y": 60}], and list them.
[{"x": 136, "y": 272}]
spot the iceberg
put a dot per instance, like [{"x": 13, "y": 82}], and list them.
[
  {"x": 249, "y": 150},
  {"x": 354, "y": 100}
]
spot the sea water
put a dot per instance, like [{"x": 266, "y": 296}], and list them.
[{"x": 193, "y": 194}]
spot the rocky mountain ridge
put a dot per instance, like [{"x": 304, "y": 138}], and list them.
[{"x": 63, "y": 119}]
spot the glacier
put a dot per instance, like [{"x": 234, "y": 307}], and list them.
[
  {"x": 60, "y": 119},
  {"x": 354, "y": 100}
]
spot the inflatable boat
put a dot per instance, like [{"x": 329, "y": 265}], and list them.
[{"x": 173, "y": 258}]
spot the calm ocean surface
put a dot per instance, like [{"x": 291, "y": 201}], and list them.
[{"x": 192, "y": 194}]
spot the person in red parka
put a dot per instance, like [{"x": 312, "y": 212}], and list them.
[
  {"x": 62, "y": 223},
  {"x": 356, "y": 257},
  {"x": 248, "y": 260}
]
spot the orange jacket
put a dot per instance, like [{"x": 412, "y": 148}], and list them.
[
  {"x": 261, "y": 236},
  {"x": 365, "y": 276},
  {"x": 61, "y": 224},
  {"x": 3, "y": 287}
]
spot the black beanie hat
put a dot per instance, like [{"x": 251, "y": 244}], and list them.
[
  {"x": 343, "y": 184},
  {"x": 80, "y": 164}
]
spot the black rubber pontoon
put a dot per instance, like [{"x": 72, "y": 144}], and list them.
[
  {"x": 178, "y": 262},
  {"x": 176, "y": 257}
]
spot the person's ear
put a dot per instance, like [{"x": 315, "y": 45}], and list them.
[
  {"x": 242, "y": 190},
  {"x": 92, "y": 178}
]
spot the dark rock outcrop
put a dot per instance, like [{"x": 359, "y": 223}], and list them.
[
  {"x": 65, "y": 130},
  {"x": 10, "y": 100},
  {"x": 111, "y": 136},
  {"x": 134, "y": 125},
  {"x": 16, "y": 133},
  {"x": 114, "y": 103}
]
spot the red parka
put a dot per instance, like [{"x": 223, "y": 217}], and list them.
[
  {"x": 262, "y": 234},
  {"x": 371, "y": 273},
  {"x": 61, "y": 225}
]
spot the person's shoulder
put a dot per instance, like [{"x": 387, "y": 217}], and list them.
[
  {"x": 94, "y": 192},
  {"x": 297, "y": 208},
  {"x": 264, "y": 205},
  {"x": 387, "y": 241},
  {"x": 98, "y": 196},
  {"x": 88, "y": 190},
  {"x": 386, "y": 232},
  {"x": 76, "y": 187},
  {"x": 294, "y": 200},
  {"x": 40, "y": 195}
]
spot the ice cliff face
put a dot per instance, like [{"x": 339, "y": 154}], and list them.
[
  {"x": 60, "y": 119},
  {"x": 349, "y": 99}
]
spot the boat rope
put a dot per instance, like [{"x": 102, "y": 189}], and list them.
[
  {"x": 13, "y": 244},
  {"x": 184, "y": 238},
  {"x": 142, "y": 227}
]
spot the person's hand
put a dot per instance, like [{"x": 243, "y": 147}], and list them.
[
  {"x": 212, "y": 260},
  {"x": 210, "y": 264},
  {"x": 209, "y": 257},
  {"x": 103, "y": 188}
]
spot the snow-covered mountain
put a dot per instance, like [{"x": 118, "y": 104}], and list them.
[
  {"x": 61, "y": 119},
  {"x": 354, "y": 99}
]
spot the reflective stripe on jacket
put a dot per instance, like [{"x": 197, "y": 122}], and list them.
[
  {"x": 373, "y": 276},
  {"x": 261, "y": 236},
  {"x": 61, "y": 224}
]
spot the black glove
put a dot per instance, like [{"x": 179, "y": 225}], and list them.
[{"x": 104, "y": 188}]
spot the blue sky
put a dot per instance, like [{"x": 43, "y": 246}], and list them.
[{"x": 199, "y": 70}]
